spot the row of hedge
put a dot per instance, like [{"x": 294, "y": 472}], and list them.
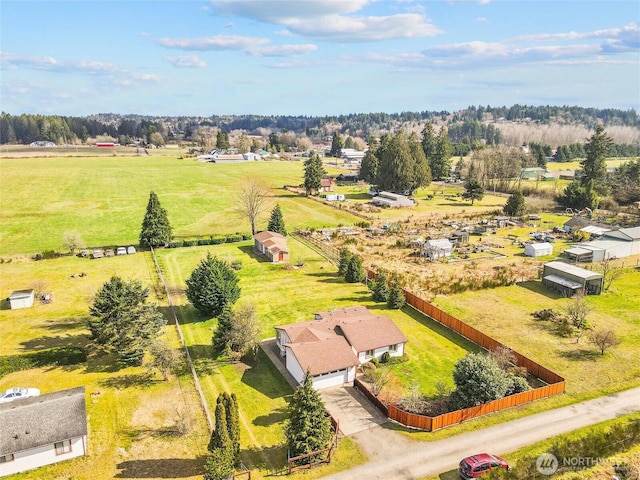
[
  {"x": 57, "y": 356},
  {"x": 212, "y": 240}
]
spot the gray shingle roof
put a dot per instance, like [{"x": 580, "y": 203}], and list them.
[{"x": 42, "y": 420}]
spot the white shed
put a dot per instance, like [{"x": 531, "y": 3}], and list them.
[
  {"x": 538, "y": 249},
  {"x": 21, "y": 299},
  {"x": 438, "y": 248}
]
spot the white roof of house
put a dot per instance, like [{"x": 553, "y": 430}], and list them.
[
  {"x": 573, "y": 270},
  {"x": 438, "y": 243},
  {"x": 21, "y": 294},
  {"x": 594, "y": 230}
]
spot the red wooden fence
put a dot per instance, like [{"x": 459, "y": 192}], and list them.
[{"x": 556, "y": 384}]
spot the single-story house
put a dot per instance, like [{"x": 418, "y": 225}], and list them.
[
  {"x": 392, "y": 200},
  {"x": 271, "y": 245},
  {"x": 620, "y": 243},
  {"x": 569, "y": 279},
  {"x": 532, "y": 173},
  {"x": 327, "y": 184},
  {"x": 352, "y": 154},
  {"x": 538, "y": 249},
  {"x": 38, "y": 431},
  {"x": 576, "y": 223},
  {"x": 333, "y": 344},
  {"x": 21, "y": 299},
  {"x": 437, "y": 248}
]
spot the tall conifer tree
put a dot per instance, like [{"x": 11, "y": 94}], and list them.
[{"x": 156, "y": 230}]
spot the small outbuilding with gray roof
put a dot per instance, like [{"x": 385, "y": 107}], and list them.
[
  {"x": 568, "y": 279},
  {"x": 42, "y": 430}
]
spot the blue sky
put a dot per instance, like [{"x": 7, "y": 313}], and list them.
[{"x": 315, "y": 57}]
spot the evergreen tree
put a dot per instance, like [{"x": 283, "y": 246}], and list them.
[
  {"x": 440, "y": 163},
  {"x": 343, "y": 261},
  {"x": 276, "y": 222},
  {"x": 577, "y": 196},
  {"x": 429, "y": 141},
  {"x": 218, "y": 466},
  {"x": 122, "y": 321},
  {"x": 220, "y": 436},
  {"x": 354, "y": 272},
  {"x": 594, "y": 165},
  {"x": 515, "y": 204},
  {"x": 369, "y": 167},
  {"x": 156, "y": 230},
  {"x": 309, "y": 427},
  {"x": 396, "y": 298},
  {"x": 421, "y": 175},
  {"x": 337, "y": 144},
  {"x": 396, "y": 170},
  {"x": 313, "y": 172},
  {"x": 222, "y": 140},
  {"x": 233, "y": 423},
  {"x": 222, "y": 333},
  {"x": 473, "y": 190},
  {"x": 380, "y": 287},
  {"x": 212, "y": 285},
  {"x": 479, "y": 379}
]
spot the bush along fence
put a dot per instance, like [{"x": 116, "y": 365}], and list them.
[
  {"x": 209, "y": 240},
  {"x": 555, "y": 383}
]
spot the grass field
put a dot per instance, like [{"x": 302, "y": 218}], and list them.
[
  {"x": 132, "y": 415},
  {"x": 105, "y": 198}
]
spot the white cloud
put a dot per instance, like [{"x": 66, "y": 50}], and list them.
[
  {"x": 358, "y": 29},
  {"x": 280, "y": 11},
  {"x": 330, "y": 20},
  {"x": 217, "y": 42},
  {"x": 255, "y": 46},
  {"x": 114, "y": 73},
  {"x": 186, "y": 61}
]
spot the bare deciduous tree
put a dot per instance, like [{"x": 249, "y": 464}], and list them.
[
  {"x": 253, "y": 199},
  {"x": 164, "y": 358},
  {"x": 577, "y": 312},
  {"x": 609, "y": 270},
  {"x": 504, "y": 357},
  {"x": 604, "y": 339},
  {"x": 72, "y": 240}
]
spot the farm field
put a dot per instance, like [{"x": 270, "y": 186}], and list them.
[{"x": 104, "y": 199}]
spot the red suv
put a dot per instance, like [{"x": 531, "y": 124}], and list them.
[{"x": 477, "y": 465}]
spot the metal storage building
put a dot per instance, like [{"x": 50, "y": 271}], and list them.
[{"x": 568, "y": 279}]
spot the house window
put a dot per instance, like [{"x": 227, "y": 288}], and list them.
[
  {"x": 393, "y": 348},
  {"x": 7, "y": 458},
  {"x": 369, "y": 353},
  {"x": 62, "y": 447}
]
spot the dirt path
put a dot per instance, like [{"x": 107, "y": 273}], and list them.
[{"x": 394, "y": 458}]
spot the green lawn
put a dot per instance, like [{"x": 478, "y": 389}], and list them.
[
  {"x": 131, "y": 414},
  {"x": 105, "y": 198}
]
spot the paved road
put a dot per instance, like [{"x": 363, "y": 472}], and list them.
[{"x": 391, "y": 460}]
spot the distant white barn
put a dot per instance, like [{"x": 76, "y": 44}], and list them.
[{"x": 538, "y": 249}]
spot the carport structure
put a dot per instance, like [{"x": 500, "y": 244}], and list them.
[{"x": 568, "y": 279}]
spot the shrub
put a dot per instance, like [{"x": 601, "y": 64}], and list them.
[
  {"x": 518, "y": 385},
  {"x": 385, "y": 358},
  {"x": 237, "y": 265},
  {"x": 217, "y": 240},
  {"x": 46, "y": 255},
  {"x": 234, "y": 238},
  {"x": 188, "y": 243},
  {"x": 375, "y": 361},
  {"x": 174, "y": 244},
  {"x": 204, "y": 241},
  {"x": 247, "y": 236}
]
